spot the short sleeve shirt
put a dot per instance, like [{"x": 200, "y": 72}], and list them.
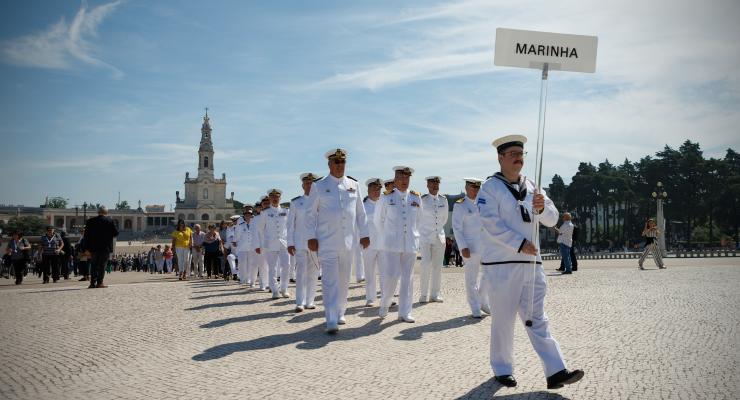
[{"x": 182, "y": 238}]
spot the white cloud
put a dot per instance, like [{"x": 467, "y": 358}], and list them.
[{"x": 62, "y": 45}]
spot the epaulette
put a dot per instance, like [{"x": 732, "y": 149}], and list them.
[
  {"x": 426, "y": 195},
  {"x": 387, "y": 192},
  {"x": 295, "y": 198},
  {"x": 365, "y": 199},
  {"x": 442, "y": 196},
  {"x": 489, "y": 177},
  {"x": 352, "y": 178},
  {"x": 414, "y": 193},
  {"x": 460, "y": 200}
]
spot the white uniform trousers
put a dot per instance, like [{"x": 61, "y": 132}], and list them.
[
  {"x": 335, "y": 272},
  {"x": 278, "y": 264},
  {"x": 198, "y": 262},
  {"x": 371, "y": 260},
  {"x": 307, "y": 275},
  {"x": 258, "y": 264},
  {"x": 431, "y": 268},
  {"x": 475, "y": 285},
  {"x": 509, "y": 287},
  {"x": 231, "y": 259},
  {"x": 245, "y": 263},
  {"x": 358, "y": 262},
  {"x": 293, "y": 267},
  {"x": 399, "y": 265},
  {"x": 183, "y": 260}
]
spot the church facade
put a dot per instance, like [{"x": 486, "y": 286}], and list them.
[{"x": 204, "y": 200}]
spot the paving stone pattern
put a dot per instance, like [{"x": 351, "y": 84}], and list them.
[{"x": 654, "y": 334}]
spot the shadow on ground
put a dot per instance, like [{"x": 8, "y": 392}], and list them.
[{"x": 488, "y": 389}]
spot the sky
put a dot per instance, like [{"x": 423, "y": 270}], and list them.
[{"x": 99, "y": 98}]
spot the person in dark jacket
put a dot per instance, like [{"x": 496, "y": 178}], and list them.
[
  {"x": 65, "y": 256},
  {"x": 99, "y": 234}
]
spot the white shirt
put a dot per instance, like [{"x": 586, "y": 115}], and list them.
[
  {"x": 273, "y": 228},
  {"x": 375, "y": 237},
  {"x": 334, "y": 212},
  {"x": 297, "y": 230},
  {"x": 434, "y": 214},
  {"x": 397, "y": 217},
  {"x": 566, "y": 234},
  {"x": 245, "y": 235},
  {"x": 466, "y": 225},
  {"x": 504, "y": 229}
]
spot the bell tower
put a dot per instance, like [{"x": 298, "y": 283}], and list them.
[{"x": 205, "y": 151}]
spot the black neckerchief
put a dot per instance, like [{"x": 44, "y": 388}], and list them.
[{"x": 519, "y": 195}]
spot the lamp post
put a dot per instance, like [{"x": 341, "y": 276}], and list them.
[{"x": 659, "y": 194}]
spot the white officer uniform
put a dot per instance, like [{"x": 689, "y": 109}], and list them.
[
  {"x": 467, "y": 228},
  {"x": 357, "y": 261},
  {"x": 307, "y": 263},
  {"x": 433, "y": 218},
  {"x": 274, "y": 243},
  {"x": 509, "y": 274},
  {"x": 396, "y": 217},
  {"x": 230, "y": 237},
  {"x": 247, "y": 240},
  {"x": 259, "y": 264},
  {"x": 335, "y": 211},
  {"x": 373, "y": 254}
]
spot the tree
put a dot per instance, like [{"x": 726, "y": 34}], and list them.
[
  {"x": 238, "y": 206},
  {"x": 55, "y": 202},
  {"x": 123, "y": 205},
  {"x": 556, "y": 192},
  {"x": 28, "y": 225}
]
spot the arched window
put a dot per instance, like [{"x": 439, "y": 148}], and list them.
[
  {"x": 205, "y": 162},
  {"x": 204, "y": 217},
  {"x": 219, "y": 217},
  {"x": 191, "y": 217},
  {"x": 127, "y": 224},
  {"x": 205, "y": 193},
  {"x": 181, "y": 216}
]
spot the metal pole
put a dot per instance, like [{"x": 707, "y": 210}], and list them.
[
  {"x": 661, "y": 226},
  {"x": 538, "y": 180}
]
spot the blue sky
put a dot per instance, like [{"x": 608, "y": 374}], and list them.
[{"x": 100, "y": 97}]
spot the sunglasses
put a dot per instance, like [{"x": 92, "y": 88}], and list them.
[{"x": 515, "y": 154}]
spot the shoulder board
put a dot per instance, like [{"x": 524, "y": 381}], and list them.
[
  {"x": 415, "y": 193},
  {"x": 426, "y": 195},
  {"x": 442, "y": 196},
  {"x": 352, "y": 178},
  {"x": 365, "y": 199},
  {"x": 489, "y": 177},
  {"x": 295, "y": 198},
  {"x": 460, "y": 200},
  {"x": 387, "y": 192}
]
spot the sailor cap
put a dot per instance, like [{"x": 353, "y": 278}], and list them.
[
  {"x": 376, "y": 181},
  {"x": 507, "y": 141},
  {"x": 473, "y": 181}
]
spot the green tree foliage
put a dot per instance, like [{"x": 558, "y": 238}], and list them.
[
  {"x": 611, "y": 202},
  {"x": 56, "y": 202},
  {"x": 29, "y": 225},
  {"x": 123, "y": 205}
]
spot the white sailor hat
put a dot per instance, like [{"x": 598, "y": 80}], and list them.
[
  {"x": 507, "y": 141},
  {"x": 376, "y": 181},
  {"x": 309, "y": 175},
  {"x": 433, "y": 178},
  {"x": 263, "y": 198},
  {"x": 387, "y": 181},
  {"x": 473, "y": 181},
  {"x": 337, "y": 153},
  {"x": 235, "y": 217},
  {"x": 271, "y": 191},
  {"x": 404, "y": 169}
]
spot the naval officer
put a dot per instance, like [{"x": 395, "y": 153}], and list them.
[
  {"x": 307, "y": 266},
  {"x": 512, "y": 266},
  {"x": 274, "y": 242},
  {"x": 466, "y": 227},
  {"x": 396, "y": 217},
  {"x": 433, "y": 217},
  {"x": 335, "y": 211},
  {"x": 372, "y": 255},
  {"x": 247, "y": 244}
]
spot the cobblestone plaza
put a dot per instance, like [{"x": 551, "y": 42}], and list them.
[{"x": 653, "y": 334}]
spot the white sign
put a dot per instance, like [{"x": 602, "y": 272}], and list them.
[{"x": 531, "y": 49}]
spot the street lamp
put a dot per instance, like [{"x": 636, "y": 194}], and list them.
[{"x": 659, "y": 194}]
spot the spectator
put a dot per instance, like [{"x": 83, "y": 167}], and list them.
[
  {"x": 20, "y": 251},
  {"x": 213, "y": 247},
  {"x": 99, "y": 232},
  {"x": 182, "y": 242},
  {"x": 51, "y": 247}
]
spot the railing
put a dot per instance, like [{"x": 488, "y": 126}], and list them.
[{"x": 675, "y": 254}]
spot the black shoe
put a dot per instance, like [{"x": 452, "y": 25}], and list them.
[
  {"x": 506, "y": 380},
  {"x": 574, "y": 269},
  {"x": 561, "y": 269},
  {"x": 564, "y": 377},
  {"x": 566, "y": 273}
]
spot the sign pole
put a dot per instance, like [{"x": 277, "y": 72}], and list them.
[{"x": 538, "y": 178}]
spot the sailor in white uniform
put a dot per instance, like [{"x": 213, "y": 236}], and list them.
[
  {"x": 307, "y": 262},
  {"x": 466, "y": 226},
  {"x": 231, "y": 258},
  {"x": 247, "y": 243},
  {"x": 274, "y": 243},
  {"x": 335, "y": 211},
  {"x": 397, "y": 217},
  {"x": 433, "y": 218},
  {"x": 372, "y": 254},
  {"x": 512, "y": 266}
]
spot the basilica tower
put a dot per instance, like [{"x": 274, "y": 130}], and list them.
[{"x": 205, "y": 151}]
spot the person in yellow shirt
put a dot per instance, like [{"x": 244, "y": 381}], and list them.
[{"x": 182, "y": 242}]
